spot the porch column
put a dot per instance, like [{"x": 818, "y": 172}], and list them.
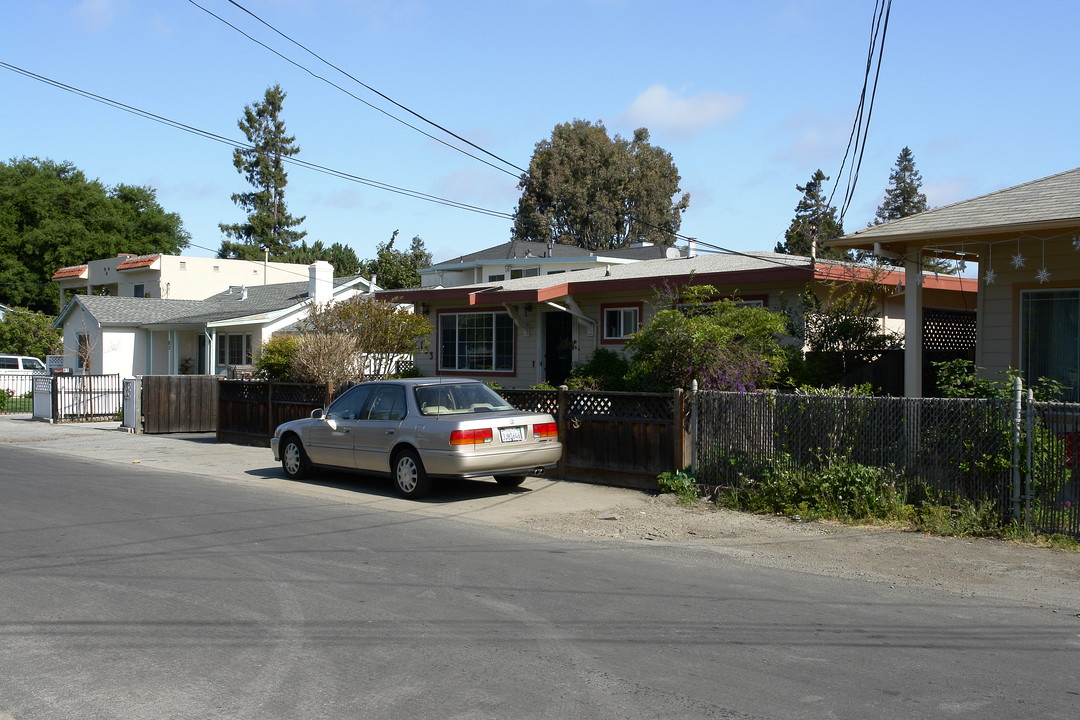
[{"x": 913, "y": 323}]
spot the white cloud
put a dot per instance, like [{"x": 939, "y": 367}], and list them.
[
  {"x": 658, "y": 108},
  {"x": 98, "y": 15}
]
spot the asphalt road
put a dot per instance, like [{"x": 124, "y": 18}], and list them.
[{"x": 129, "y": 591}]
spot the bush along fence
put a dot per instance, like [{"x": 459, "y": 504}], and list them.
[{"x": 1018, "y": 460}]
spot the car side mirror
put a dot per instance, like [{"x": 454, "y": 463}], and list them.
[{"x": 317, "y": 413}]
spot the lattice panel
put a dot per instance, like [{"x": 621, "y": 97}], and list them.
[
  {"x": 532, "y": 400},
  {"x": 948, "y": 329},
  {"x": 636, "y": 405}
]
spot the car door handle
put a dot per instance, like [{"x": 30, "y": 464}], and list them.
[{"x": 389, "y": 432}]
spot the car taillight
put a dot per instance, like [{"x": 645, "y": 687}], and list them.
[
  {"x": 471, "y": 437},
  {"x": 545, "y": 430}
]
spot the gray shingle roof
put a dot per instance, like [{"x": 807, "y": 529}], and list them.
[
  {"x": 517, "y": 249},
  {"x": 260, "y": 299},
  {"x": 658, "y": 269},
  {"x": 1047, "y": 200}
]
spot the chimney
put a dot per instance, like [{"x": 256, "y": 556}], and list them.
[
  {"x": 320, "y": 282},
  {"x": 691, "y": 247}
]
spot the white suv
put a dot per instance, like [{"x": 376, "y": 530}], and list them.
[
  {"x": 17, "y": 371},
  {"x": 21, "y": 365}
]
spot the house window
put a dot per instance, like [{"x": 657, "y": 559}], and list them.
[
  {"x": 138, "y": 291},
  {"x": 234, "y": 349},
  {"x": 476, "y": 341},
  {"x": 524, "y": 272},
  {"x": 1050, "y": 338},
  {"x": 620, "y": 322},
  {"x": 496, "y": 278},
  {"x": 83, "y": 353}
]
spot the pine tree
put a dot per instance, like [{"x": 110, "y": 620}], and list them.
[
  {"x": 815, "y": 222},
  {"x": 269, "y": 224},
  {"x": 902, "y": 197}
]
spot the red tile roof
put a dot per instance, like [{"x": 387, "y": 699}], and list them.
[
  {"x": 75, "y": 271},
  {"x": 135, "y": 263}
]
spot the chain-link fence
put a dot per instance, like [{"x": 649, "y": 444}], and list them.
[{"x": 954, "y": 449}]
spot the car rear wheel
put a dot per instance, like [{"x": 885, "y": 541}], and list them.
[
  {"x": 294, "y": 460},
  {"x": 410, "y": 477},
  {"x": 509, "y": 480}
]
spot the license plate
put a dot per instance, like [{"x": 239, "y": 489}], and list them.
[{"x": 512, "y": 434}]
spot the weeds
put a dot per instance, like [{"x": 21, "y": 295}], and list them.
[
  {"x": 845, "y": 491},
  {"x": 680, "y": 483}
]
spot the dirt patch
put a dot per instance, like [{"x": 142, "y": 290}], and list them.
[{"x": 963, "y": 566}]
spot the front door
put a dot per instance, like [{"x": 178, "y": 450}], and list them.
[{"x": 558, "y": 346}]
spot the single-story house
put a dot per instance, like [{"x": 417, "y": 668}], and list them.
[
  {"x": 133, "y": 336},
  {"x": 524, "y": 331},
  {"x": 1026, "y": 241},
  {"x": 521, "y": 259}
]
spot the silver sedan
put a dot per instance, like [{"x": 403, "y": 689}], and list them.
[{"x": 418, "y": 429}]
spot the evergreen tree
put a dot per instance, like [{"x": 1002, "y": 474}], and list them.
[
  {"x": 815, "y": 222},
  {"x": 269, "y": 224},
  {"x": 342, "y": 257},
  {"x": 902, "y": 197}
]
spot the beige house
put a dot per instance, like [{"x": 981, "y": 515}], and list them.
[
  {"x": 1026, "y": 241},
  {"x": 172, "y": 277},
  {"x": 523, "y": 331}
]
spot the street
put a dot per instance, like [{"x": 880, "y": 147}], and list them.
[{"x": 127, "y": 591}]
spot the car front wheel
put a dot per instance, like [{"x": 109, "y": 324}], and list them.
[
  {"x": 410, "y": 477},
  {"x": 294, "y": 461}
]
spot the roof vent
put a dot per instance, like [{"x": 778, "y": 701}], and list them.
[{"x": 243, "y": 293}]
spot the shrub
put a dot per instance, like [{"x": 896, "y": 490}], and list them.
[
  {"x": 605, "y": 370},
  {"x": 275, "y": 360}
]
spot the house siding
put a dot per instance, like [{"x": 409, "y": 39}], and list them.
[{"x": 999, "y": 341}]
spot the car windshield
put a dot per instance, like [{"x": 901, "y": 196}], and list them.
[{"x": 456, "y": 398}]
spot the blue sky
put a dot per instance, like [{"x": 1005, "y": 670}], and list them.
[{"x": 750, "y": 98}]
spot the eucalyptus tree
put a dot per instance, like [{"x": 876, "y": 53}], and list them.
[{"x": 587, "y": 189}]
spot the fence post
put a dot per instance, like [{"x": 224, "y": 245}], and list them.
[
  {"x": 560, "y": 420},
  {"x": 693, "y": 426},
  {"x": 1029, "y": 495},
  {"x": 1018, "y": 400}
]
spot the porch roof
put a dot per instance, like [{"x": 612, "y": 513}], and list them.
[
  {"x": 1047, "y": 204},
  {"x": 747, "y": 269}
]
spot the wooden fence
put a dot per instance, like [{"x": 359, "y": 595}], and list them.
[
  {"x": 614, "y": 438},
  {"x": 178, "y": 403},
  {"x": 249, "y": 411}
]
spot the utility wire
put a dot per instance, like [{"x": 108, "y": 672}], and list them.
[
  {"x": 362, "y": 84},
  {"x": 860, "y": 129},
  {"x": 240, "y": 145}
]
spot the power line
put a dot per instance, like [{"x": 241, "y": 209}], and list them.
[
  {"x": 860, "y": 129},
  {"x": 240, "y": 145},
  {"x": 357, "y": 98}
]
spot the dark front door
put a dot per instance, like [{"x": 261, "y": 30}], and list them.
[
  {"x": 558, "y": 346},
  {"x": 200, "y": 367}
]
